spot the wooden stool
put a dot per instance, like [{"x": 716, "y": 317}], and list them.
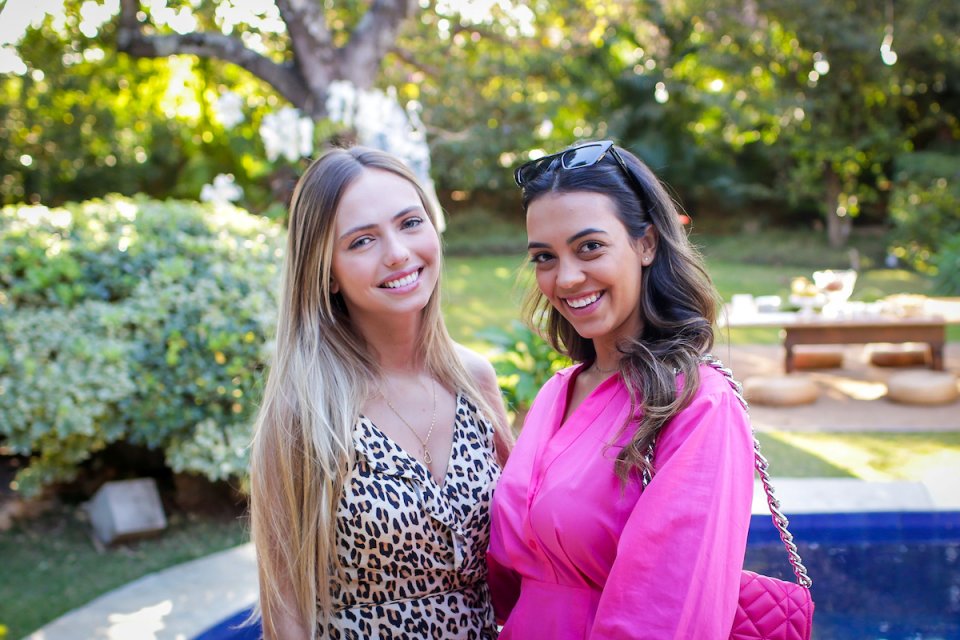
[
  {"x": 817, "y": 360},
  {"x": 922, "y": 387},
  {"x": 780, "y": 391},
  {"x": 899, "y": 356}
]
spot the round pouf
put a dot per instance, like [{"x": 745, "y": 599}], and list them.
[
  {"x": 922, "y": 387},
  {"x": 780, "y": 391}
]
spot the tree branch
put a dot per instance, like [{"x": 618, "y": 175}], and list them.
[
  {"x": 305, "y": 22},
  {"x": 372, "y": 39},
  {"x": 284, "y": 78},
  {"x": 311, "y": 42},
  {"x": 407, "y": 58}
]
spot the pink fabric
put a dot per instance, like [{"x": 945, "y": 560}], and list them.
[{"x": 574, "y": 556}]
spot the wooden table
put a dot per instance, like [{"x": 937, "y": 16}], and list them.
[{"x": 813, "y": 328}]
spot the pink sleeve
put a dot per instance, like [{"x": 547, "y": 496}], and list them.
[
  {"x": 504, "y": 588},
  {"x": 678, "y": 563},
  {"x": 509, "y": 503}
]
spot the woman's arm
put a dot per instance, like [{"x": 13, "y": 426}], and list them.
[
  {"x": 485, "y": 378},
  {"x": 680, "y": 556},
  {"x": 282, "y": 623}
]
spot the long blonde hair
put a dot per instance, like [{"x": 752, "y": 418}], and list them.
[{"x": 303, "y": 451}]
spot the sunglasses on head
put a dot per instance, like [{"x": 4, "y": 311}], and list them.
[{"x": 584, "y": 155}]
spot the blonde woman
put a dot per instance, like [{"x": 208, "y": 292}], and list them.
[{"x": 379, "y": 440}]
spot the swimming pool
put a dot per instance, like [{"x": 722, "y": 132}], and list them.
[{"x": 876, "y": 576}]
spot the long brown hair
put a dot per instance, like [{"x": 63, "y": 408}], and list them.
[
  {"x": 303, "y": 451},
  {"x": 677, "y": 305}
]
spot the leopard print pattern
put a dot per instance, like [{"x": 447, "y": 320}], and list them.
[{"x": 413, "y": 552}]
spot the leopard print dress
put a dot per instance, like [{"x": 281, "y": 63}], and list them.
[{"x": 413, "y": 552}]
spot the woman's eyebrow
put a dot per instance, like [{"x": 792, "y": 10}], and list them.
[
  {"x": 585, "y": 232},
  {"x": 365, "y": 227},
  {"x": 570, "y": 240}
]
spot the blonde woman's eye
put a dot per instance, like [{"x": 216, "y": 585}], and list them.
[
  {"x": 360, "y": 242},
  {"x": 411, "y": 222}
]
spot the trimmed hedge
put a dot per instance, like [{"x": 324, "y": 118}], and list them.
[{"x": 134, "y": 320}]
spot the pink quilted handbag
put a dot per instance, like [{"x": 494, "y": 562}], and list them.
[
  {"x": 768, "y": 608},
  {"x": 772, "y": 609}
]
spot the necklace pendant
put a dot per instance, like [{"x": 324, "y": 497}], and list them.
[{"x": 426, "y": 456}]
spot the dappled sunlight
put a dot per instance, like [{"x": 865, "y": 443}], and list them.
[
  {"x": 840, "y": 388},
  {"x": 144, "y": 623},
  {"x": 883, "y": 457},
  {"x": 839, "y": 453},
  {"x": 941, "y": 467}
]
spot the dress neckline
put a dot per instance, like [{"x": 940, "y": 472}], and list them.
[{"x": 414, "y": 460}]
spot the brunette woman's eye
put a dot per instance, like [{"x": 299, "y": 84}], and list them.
[
  {"x": 540, "y": 258},
  {"x": 590, "y": 246}
]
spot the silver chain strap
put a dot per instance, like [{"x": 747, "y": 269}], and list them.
[{"x": 779, "y": 520}]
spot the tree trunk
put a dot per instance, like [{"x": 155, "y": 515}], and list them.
[
  {"x": 838, "y": 227},
  {"x": 316, "y": 60}
]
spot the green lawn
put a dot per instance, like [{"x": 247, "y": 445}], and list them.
[
  {"x": 481, "y": 292},
  {"x": 51, "y": 566},
  {"x": 487, "y": 291},
  {"x": 866, "y": 455}
]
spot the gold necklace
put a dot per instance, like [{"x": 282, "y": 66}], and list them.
[
  {"x": 603, "y": 371},
  {"x": 427, "y": 458}
]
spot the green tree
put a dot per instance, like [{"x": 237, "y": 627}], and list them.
[
  {"x": 800, "y": 98},
  {"x": 138, "y": 89}
]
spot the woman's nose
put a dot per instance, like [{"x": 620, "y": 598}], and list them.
[
  {"x": 569, "y": 274},
  {"x": 397, "y": 251}
]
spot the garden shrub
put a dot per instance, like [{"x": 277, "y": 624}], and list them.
[
  {"x": 134, "y": 320},
  {"x": 947, "y": 263},
  {"x": 524, "y": 361},
  {"x": 63, "y": 374},
  {"x": 923, "y": 206}
]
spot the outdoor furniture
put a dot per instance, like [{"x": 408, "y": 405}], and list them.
[
  {"x": 780, "y": 391},
  {"x": 813, "y": 328},
  {"x": 922, "y": 387},
  {"x": 899, "y": 356},
  {"x": 817, "y": 360},
  {"x": 932, "y": 331}
]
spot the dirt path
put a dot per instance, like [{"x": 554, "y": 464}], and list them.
[{"x": 852, "y": 398}]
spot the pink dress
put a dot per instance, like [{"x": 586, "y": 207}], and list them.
[{"x": 574, "y": 556}]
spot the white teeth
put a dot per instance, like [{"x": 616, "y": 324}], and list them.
[
  {"x": 402, "y": 282},
  {"x": 580, "y": 303}
]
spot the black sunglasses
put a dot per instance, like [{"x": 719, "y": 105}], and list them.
[{"x": 585, "y": 155}]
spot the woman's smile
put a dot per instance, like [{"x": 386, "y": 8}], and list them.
[
  {"x": 584, "y": 304},
  {"x": 404, "y": 282}
]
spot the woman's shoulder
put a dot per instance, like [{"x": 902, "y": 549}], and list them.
[
  {"x": 715, "y": 391},
  {"x": 712, "y": 381},
  {"x": 476, "y": 365}
]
